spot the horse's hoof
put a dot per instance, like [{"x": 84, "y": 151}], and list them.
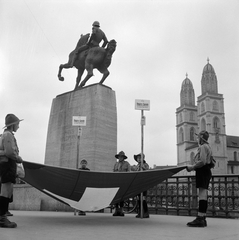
[{"x": 61, "y": 79}]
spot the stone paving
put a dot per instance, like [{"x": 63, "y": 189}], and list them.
[{"x": 64, "y": 225}]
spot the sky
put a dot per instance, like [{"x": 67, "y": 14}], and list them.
[{"x": 158, "y": 43}]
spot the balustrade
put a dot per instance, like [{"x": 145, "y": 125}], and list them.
[{"x": 178, "y": 195}]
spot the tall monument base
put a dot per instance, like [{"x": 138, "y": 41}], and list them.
[{"x": 97, "y": 142}]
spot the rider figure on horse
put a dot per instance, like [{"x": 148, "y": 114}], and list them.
[{"x": 96, "y": 37}]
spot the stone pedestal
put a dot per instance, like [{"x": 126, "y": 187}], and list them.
[{"x": 98, "y": 142}]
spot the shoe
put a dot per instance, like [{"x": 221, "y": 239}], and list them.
[
  {"x": 80, "y": 213},
  {"x": 5, "y": 223},
  {"x": 121, "y": 214},
  {"x": 116, "y": 213},
  {"x": 8, "y": 214},
  {"x": 205, "y": 221},
  {"x": 198, "y": 222},
  {"x": 145, "y": 215}
]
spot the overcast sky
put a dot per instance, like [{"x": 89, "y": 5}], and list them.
[{"x": 158, "y": 42}]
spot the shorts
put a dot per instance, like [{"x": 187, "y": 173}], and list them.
[
  {"x": 203, "y": 177},
  {"x": 8, "y": 171}
]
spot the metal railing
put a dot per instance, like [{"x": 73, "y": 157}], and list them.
[{"x": 178, "y": 195}]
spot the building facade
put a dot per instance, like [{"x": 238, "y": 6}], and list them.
[{"x": 207, "y": 115}]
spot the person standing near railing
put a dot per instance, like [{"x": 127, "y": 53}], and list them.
[
  {"x": 203, "y": 176},
  {"x": 83, "y": 166},
  {"x": 120, "y": 166},
  {"x": 9, "y": 157},
  {"x": 145, "y": 167}
]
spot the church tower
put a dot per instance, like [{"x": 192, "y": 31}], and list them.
[
  {"x": 211, "y": 117},
  {"x": 186, "y": 122}
]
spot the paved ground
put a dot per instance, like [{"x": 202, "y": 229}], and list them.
[{"x": 103, "y": 226}]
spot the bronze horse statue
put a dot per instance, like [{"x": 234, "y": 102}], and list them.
[{"x": 96, "y": 57}]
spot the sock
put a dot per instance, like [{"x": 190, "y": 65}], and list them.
[
  {"x": 7, "y": 203},
  {"x": 3, "y": 205},
  {"x": 202, "y": 208},
  {"x": 145, "y": 206},
  {"x": 139, "y": 207}
]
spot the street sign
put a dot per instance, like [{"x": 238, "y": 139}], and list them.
[
  {"x": 78, "y": 121},
  {"x": 142, "y": 104}
]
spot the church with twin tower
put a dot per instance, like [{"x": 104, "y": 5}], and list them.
[{"x": 207, "y": 115}]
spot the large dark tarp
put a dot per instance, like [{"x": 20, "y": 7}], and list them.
[{"x": 90, "y": 190}]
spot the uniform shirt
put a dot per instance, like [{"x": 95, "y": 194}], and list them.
[
  {"x": 203, "y": 155},
  {"x": 87, "y": 169},
  {"x": 8, "y": 144},
  {"x": 123, "y": 166},
  {"x": 144, "y": 167}
]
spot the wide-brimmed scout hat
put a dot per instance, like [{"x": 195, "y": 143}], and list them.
[
  {"x": 11, "y": 119},
  {"x": 204, "y": 135},
  {"x": 121, "y": 153},
  {"x": 136, "y": 156}
]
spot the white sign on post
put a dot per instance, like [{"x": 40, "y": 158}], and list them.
[
  {"x": 79, "y": 121},
  {"x": 142, "y": 104}
]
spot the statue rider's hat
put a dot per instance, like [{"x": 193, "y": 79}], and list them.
[{"x": 96, "y": 24}]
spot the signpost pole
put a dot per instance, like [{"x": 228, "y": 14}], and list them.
[
  {"x": 142, "y": 152},
  {"x": 78, "y": 146},
  {"x": 142, "y": 105},
  {"x": 78, "y": 121}
]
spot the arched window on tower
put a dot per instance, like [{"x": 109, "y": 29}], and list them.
[
  {"x": 192, "y": 134},
  {"x": 192, "y": 116},
  {"x": 192, "y": 155},
  {"x": 215, "y": 106},
  {"x": 181, "y": 135},
  {"x": 216, "y": 124},
  {"x": 203, "y": 124},
  {"x": 202, "y": 107}
]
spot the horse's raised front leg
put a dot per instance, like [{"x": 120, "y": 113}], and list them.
[
  {"x": 66, "y": 65},
  {"x": 59, "y": 73},
  {"x": 106, "y": 73}
]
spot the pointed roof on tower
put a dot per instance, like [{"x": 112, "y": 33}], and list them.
[
  {"x": 187, "y": 95},
  {"x": 209, "y": 79}
]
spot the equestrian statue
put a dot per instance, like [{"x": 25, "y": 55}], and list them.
[{"x": 88, "y": 55}]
